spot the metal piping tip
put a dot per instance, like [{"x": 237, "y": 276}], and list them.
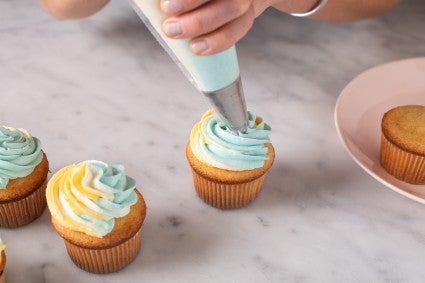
[{"x": 229, "y": 104}]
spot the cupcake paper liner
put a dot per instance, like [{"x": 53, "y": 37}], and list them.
[
  {"x": 16, "y": 213},
  {"x": 403, "y": 165},
  {"x": 106, "y": 260},
  {"x": 227, "y": 196}
]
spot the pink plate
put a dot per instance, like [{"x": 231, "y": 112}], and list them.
[{"x": 359, "y": 111}]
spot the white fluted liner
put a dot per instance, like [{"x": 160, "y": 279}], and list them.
[
  {"x": 402, "y": 164},
  {"x": 23, "y": 211},
  {"x": 105, "y": 260},
  {"x": 227, "y": 196}
]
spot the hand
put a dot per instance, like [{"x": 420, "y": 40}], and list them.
[
  {"x": 214, "y": 25},
  {"x": 72, "y": 9}
]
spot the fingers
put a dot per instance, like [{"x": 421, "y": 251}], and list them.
[
  {"x": 224, "y": 37},
  {"x": 216, "y": 24},
  {"x": 174, "y": 7},
  {"x": 205, "y": 19}
]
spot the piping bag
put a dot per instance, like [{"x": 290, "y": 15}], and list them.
[{"x": 216, "y": 76}]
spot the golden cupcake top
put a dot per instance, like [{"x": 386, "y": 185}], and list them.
[{"x": 404, "y": 126}]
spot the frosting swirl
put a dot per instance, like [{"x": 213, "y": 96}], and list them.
[
  {"x": 20, "y": 153},
  {"x": 88, "y": 196},
  {"x": 214, "y": 144},
  {"x": 2, "y": 245}
]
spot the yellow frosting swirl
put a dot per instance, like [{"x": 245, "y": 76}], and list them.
[{"x": 87, "y": 197}]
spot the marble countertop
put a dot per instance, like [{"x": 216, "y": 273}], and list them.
[{"x": 102, "y": 88}]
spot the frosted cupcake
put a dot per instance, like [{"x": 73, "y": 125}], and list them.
[
  {"x": 99, "y": 213},
  {"x": 2, "y": 262},
  {"x": 23, "y": 175},
  {"x": 229, "y": 170}
]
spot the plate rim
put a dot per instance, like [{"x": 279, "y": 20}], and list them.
[{"x": 344, "y": 141}]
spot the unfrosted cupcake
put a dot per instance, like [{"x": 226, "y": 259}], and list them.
[
  {"x": 23, "y": 175},
  {"x": 2, "y": 262},
  {"x": 99, "y": 213},
  {"x": 402, "y": 152},
  {"x": 229, "y": 170}
]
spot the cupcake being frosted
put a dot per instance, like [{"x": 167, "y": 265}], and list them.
[
  {"x": 229, "y": 169},
  {"x": 23, "y": 174},
  {"x": 99, "y": 213}
]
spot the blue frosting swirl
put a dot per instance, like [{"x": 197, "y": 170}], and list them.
[
  {"x": 218, "y": 146},
  {"x": 20, "y": 153}
]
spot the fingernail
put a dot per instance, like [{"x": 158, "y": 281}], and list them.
[
  {"x": 172, "y": 28},
  {"x": 171, "y": 6},
  {"x": 199, "y": 46}
]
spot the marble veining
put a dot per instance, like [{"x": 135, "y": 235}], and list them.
[{"x": 102, "y": 88}]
